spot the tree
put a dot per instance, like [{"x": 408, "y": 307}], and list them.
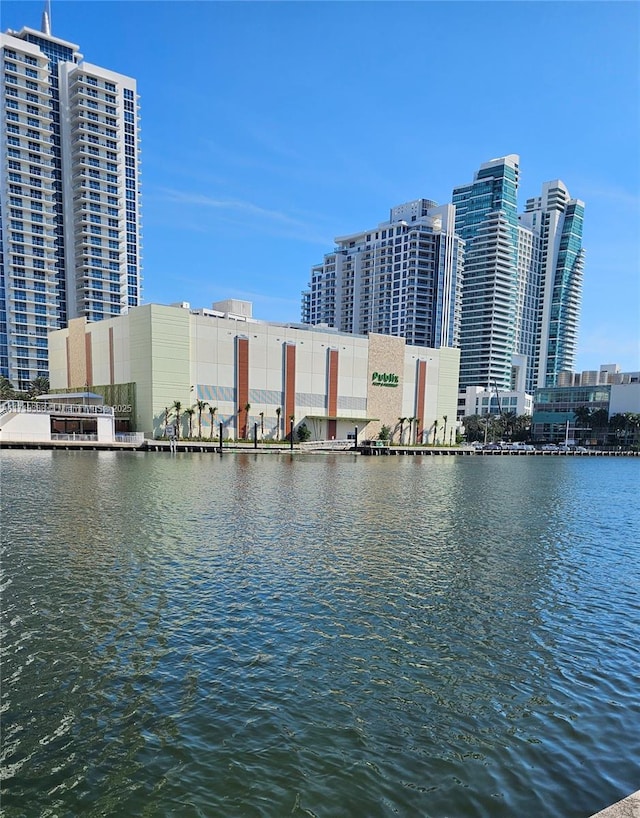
[
  {"x": 385, "y": 433},
  {"x": 473, "y": 428},
  {"x": 619, "y": 424},
  {"x": 600, "y": 422},
  {"x": 177, "y": 411},
  {"x": 261, "y": 425},
  {"x": 190, "y": 412},
  {"x": 444, "y": 436},
  {"x": 212, "y": 418},
  {"x": 410, "y": 426},
  {"x": 6, "y": 389},
  {"x": 582, "y": 415},
  {"x": 435, "y": 429},
  {"x": 201, "y": 405},
  {"x": 247, "y": 407},
  {"x": 278, "y": 413},
  {"x": 38, "y": 386},
  {"x": 401, "y": 422},
  {"x": 522, "y": 427},
  {"x": 303, "y": 433},
  {"x": 633, "y": 424}
]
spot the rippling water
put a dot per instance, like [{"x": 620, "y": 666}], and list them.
[{"x": 321, "y": 636}]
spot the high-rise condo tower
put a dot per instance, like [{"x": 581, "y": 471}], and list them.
[
  {"x": 402, "y": 277},
  {"x": 70, "y": 209},
  {"x": 522, "y": 280}
]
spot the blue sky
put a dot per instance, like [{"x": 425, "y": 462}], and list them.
[{"x": 270, "y": 128}]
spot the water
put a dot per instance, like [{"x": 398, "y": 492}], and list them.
[{"x": 318, "y": 636}]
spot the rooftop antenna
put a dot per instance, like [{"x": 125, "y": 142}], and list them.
[{"x": 46, "y": 18}]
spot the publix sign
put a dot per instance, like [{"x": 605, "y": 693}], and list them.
[{"x": 384, "y": 379}]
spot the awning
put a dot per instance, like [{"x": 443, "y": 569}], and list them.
[{"x": 65, "y": 397}]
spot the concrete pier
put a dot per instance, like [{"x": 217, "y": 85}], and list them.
[{"x": 627, "y": 808}]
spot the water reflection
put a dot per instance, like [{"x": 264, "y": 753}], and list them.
[{"x": 268, "y": 635}]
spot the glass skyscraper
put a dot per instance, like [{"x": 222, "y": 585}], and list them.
[
  {"x": 70, "y": 205},
  {"x": 487, "y": 219},
  {"x": 522, "y": 281}
]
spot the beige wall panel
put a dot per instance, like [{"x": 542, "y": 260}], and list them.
[
  {"x": 386, "y": 355},
  {"x": 161, "y": 334},
  {"x": 121, "y": 344},
  {"x": 100, "y": 351},
  {"x": 77, "y": 353},
  {"x": 57, "y": 343}
]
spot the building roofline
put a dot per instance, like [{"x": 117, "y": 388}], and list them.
[{"x": 42, "y": 35}]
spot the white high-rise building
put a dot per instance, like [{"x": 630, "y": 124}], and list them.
[
  {"x": 555, "y": 220},
  {"x": 70, "y": 208},
  {"x": 522, "y": 280},
  {"x": 400, "y": 278}
]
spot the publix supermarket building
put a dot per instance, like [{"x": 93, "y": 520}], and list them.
[{"x": 254, "y": 372}]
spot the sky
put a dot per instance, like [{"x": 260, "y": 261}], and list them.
[{"x": 270, "y": 128}]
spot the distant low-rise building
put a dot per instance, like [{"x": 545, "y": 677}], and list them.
[
  {"x": 479, "y": 401},
  {"x": 583, "y": 407},
  {"x": 247, "y": 374}
]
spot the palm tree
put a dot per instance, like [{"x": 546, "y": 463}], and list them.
[
  {"x": 582, "y": 415},
  {"x": 618, "y": 423},
  {"x": 190, "y": 412},
  {"x": 247, "y": 407},
  {"x": 444, "y": 436},
  {"x": 278, "y": 413},
  {"x": 212, "y": 415},
  {"x": 633, "y": 423},
  {"x": 6, "y": 389},
  {"x": 201, "y": 405},
  {"x": 38, "y": 386},
  {"x": 401, "y": 421},
  {"x": 600, "y": 421},
  {"x": 261, "y": 425},
  {"x": 410, "y": 425},
  {"x": 177, "y": 411}
]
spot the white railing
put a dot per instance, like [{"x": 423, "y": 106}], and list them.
[
  {"x": 327, "y": 445},
  {"x": 46, "y": 407},
  {"x": 73, "y": 436},
  {"x": 130, "y": 437}
]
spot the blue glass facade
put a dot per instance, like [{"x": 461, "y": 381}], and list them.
[
  {"x": 487, "y": 219},
  {"x": 566, "y": 297}
]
